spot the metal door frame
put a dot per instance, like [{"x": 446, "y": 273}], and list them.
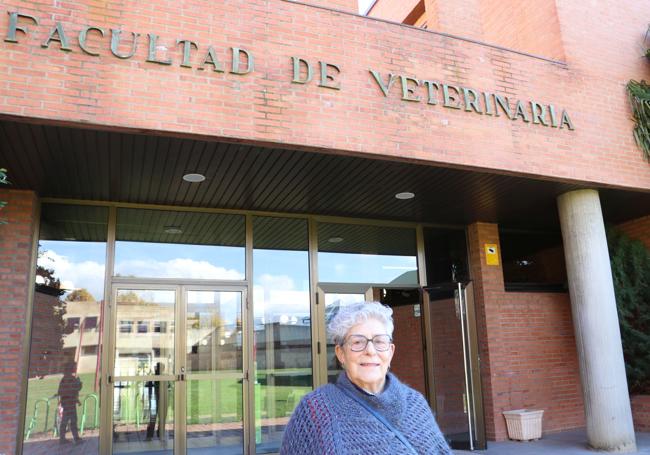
[
  {"x": 181, "y": 289},
  {"x": 472, "y": 396}
]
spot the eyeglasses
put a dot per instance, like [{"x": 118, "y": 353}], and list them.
[{"x": 358, "y": 343}]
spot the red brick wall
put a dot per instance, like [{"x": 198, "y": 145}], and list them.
[
  {"x": 408, "y": 362},
  {"x": 392, "y": 10},
  {"x": 531, "y": 27},
  {"x": 638, "y": 229},
  {"x": 527, "y": 347},
  {"x": 641, "y": 412},
  {"x": 15, "y": 267},
  {"x": 265, "y": 107},
  {"x": 351, "y": 6}
]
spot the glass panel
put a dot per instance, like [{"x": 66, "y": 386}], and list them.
[
  {"x": 283, "y": 364},
  {"x": 143, "y": 417},
  {"x": 214, "y": 331},
  {"x": 408, "y": 362},
  {"x": 150, "y": 352},
  {"x": 449, "y": 366},
  {"x": 533, "y": 261},
  {"x": 167, "y": 244},
  {"x": 63, "y": 386},
  {"x": 214, "y": 416},
  {"x": 333, "y": 302},
  {"x": 446, "y": 255},
  {"x": 350, "y": 253}
]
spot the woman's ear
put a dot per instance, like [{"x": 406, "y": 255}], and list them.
[{"x": 340, "y": 354}]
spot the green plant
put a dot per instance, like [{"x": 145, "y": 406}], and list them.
[
  {"x": 630, "y": 261},
  {"x": 639, "y": 95}
]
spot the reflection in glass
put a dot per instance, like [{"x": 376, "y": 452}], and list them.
[
  {"x": 282, "y": 325},
  {"x": 349, "y": 253},
  {"x": 143, "y": 417},
  {"x": 446, "y": 255},
  {"x": 66, "y": 335},
  {"x": 333, "y": 303},
  {"x": 168, "y": 244},
  {"x": 214, "y": 416},
  {"x": 151, "y": 352},
  {"x": 214, "y": 331},
  {"x": 449, "y": 366}
]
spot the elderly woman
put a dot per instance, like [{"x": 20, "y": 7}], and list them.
[{"x": 368, "y": 410}]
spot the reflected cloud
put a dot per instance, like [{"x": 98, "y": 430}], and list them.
[
  {"x": 174, "y": 268},
  {"x": 75, "y": 275},
  {"x": 275, "y": 297},
  {"x": 269, "y": 281}
]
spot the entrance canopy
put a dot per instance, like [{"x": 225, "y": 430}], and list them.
[{"x": 75, "y": 163}]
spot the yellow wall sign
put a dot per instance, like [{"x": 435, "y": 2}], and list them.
[{"x": 491, "y": 254}]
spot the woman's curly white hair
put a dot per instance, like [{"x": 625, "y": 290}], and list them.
[{"x": 351, "y": 315}]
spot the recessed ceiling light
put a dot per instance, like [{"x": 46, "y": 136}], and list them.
[
  {"x": 335, "y": 239},
  {"x": 405, "y": 195},
  {"x": 70, "y": 239},
  {"x": 173, "y": 230},
  {"x": 194, "y": 178}
]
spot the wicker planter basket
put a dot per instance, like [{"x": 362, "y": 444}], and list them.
[{"x": 524, "y": 424}]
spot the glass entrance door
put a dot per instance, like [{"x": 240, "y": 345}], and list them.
[
  {"x": 336, "y": 296},
  {"x": 144, "y": 365},
  {"x": 455, "y": 366},
  {"x": 177, "y": 368},
  {"x": 213, "y": 383}
]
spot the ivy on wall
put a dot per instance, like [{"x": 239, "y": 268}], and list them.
[
  {"x": 639, "y": 95},
  {"x": 630, "y": 261},
  {"x": 3, "y": 181}
]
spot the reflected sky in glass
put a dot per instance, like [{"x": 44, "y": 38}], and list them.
[
  {"x": 76, "y": 264},
  {"x": 366, "y": 268},
  {"x": 168, "y": 260}
]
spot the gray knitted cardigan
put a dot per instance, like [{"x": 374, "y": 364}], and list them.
[{"x": 327, "y": 422}]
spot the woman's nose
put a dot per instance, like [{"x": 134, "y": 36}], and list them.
[{"x": 369, "y": 349}]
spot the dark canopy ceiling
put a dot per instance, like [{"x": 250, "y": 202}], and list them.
[{"x": 63, "y": 162}]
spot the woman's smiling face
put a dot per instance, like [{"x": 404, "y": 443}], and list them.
[{"x": 367, "y": 368}]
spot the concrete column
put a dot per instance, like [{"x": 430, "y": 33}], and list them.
[{"x": 600, "y": 353}]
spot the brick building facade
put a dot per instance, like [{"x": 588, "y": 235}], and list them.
[{"x": 487, "y": 111}]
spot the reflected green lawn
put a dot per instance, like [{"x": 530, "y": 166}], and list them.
[
  {"x": 207, "y": 401},
  {"x": 45, "y": 389}
]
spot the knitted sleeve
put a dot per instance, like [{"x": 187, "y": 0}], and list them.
[
  {"x": 310, "y": 430},
  {"x": 435, "y": 444}
]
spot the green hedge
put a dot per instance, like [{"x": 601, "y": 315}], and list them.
[{"x": 630, "y": 261}]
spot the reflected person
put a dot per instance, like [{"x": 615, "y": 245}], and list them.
[
  {"x": 154, "y": 410},
  {"x": 68, "y": 393},
  {"x": 368, "y": 410}
]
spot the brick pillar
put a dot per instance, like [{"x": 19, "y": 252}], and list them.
[
  {"x": 15, "y": 268},
  {"x": 488, "y": 286}
]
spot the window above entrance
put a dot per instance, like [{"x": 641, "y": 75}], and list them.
[
  {"x": 350, "y": 253},
  {"x": 171, "y": 244}
]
